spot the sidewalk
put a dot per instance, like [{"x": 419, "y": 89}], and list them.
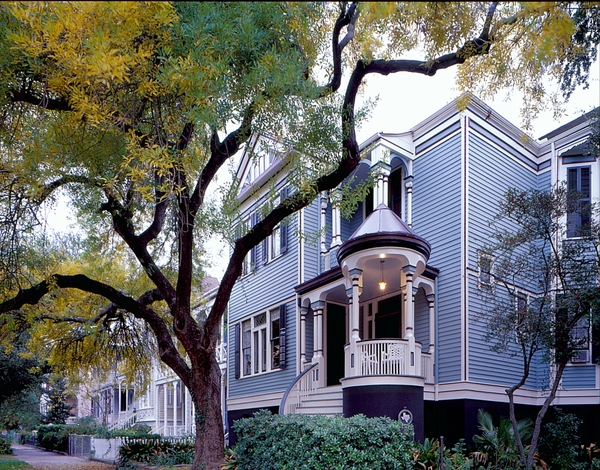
[{"x": 42, "y": 459}]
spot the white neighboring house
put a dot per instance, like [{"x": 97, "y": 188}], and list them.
[{"x": 166, "y": 406}]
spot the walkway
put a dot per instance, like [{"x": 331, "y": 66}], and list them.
[{"x": 42, "y": 459}]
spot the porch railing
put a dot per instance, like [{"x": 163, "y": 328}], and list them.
[
  {"x": 123, "y": 420},
  {"x": 427, "y": 368},
  {"x": 302, "y": 386},
  {"x": 392, "y": 357}
]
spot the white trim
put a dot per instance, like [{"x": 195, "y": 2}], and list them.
[
  {"x": 464, "y": 197},
  {"x": 367, "y": 380},
  {"x": 497, "y": 393}
]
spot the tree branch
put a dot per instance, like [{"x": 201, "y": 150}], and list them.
[
  {"x": 52, "y": 104},
  {"x": 138, "y": 308},
  {"x": 347, "y": 17},
  {"x": 123, "y": 225}
]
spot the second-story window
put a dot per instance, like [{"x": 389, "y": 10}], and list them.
[
  {"x": 395, "y": 192},
  {"x": 578, "y": 185}
]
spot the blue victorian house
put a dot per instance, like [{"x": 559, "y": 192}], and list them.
[{"x": 380, "y": 314}]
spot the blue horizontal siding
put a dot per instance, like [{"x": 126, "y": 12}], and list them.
[
  {"x": 491, "y": 174},
  {"x": 579, "y": 376},
  {"x": 437, "y": 218},
  {"x": 311, "y": 242}
]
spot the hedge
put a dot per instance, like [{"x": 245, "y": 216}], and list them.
[{"x": 301, "y": 442}]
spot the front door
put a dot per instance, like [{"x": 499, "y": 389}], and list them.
[
  {"x": 336, "y": 340},
  {"x": 388, "y": 318}
]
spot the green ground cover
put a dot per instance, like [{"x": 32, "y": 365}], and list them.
[{"x": 8, "y": 462}]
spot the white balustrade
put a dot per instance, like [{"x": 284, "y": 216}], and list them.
[{"x": 391, "y": 357}]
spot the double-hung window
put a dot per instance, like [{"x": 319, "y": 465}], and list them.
[
  {"x": 578, "y": 185},
  {"x": 580, "y": 335},
  {"x": 276, "y": 243},
  {"x": 260, "y": 343}
]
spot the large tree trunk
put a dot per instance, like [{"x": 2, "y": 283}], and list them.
[{"x": 206, "y": 396}]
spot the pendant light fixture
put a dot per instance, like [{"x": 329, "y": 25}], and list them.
[{"x": 382, "y": 283}]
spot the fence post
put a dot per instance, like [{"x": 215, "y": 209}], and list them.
[{"x": 441, "y": 452}]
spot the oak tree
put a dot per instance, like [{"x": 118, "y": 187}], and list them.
[{"x": 131, "y": 109}]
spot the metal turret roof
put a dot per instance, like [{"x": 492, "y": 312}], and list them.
[{"x": 380, "y": 229}]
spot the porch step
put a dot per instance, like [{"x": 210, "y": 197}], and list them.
[{"x": 324, "y": 401}]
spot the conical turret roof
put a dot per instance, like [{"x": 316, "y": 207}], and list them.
[{"x": 380, "y": 229}]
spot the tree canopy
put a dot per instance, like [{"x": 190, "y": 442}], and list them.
[{"x": 131, "y": 108}]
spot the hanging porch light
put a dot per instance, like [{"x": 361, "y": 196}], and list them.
[{"x": 382, "y": 283}]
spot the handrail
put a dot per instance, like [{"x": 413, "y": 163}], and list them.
[{"x": 293, "y": 384}]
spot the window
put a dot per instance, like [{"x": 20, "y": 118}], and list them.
[
  {"x": 261, "y": 161},
  {"x": 578, "y": 184},
  {"x": 395, "y": 192},
  {"x": 262, "y": 343},
  {"x": 275, "y": 339},
  {"x": 368, "y": 204},
  {"x": 242, "y": 229},
  {"x": 485, "y": 269},
  {"x": 246, "y": 347},
  {"x": 276, "y": 243},
  {"x": 580, "y": 335},
  {"x": 521, "y": 305}
]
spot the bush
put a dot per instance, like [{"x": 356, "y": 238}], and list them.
[
  {"x": 559, "y": 444},
  {"x": 155, "y": 450},
  {"x": 5, "y": 446},
  {"x": 54, "y": 436},
  {"x": 319, "y": 442}
]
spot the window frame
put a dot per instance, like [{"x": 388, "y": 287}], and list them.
[
  {"x": 259, "y": 351},
  {"x": 578, "y": 220}
]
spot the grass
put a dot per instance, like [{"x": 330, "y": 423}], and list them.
[{"x": 8, "y": 462}]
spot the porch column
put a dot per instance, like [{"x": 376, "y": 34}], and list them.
[
  {"x": 353, "y": 294},
  {"x": 165, "y": 405},
  {"x": 324, "y": 252},
  {"x": 431, "y": 304},
  {"x": 409, "y": 190},
  {"x": 355, "y": 276},
  {"x": 156, "y": 408},
  {"x": 303, "y": 313},
  {"x": 336, "y": 237},
  {"x": 186, "y": 410},
  {"x": 318, "y": 330},
  {"x": 409, "y": 272},
  {"x": 317, "y": 358},
  {"x": 175, "y": 386},
  {"x": 119, "y": 404},
  {"x": 381, "y": 186}
]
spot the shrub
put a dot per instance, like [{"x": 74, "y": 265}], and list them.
[
  {"x": 497, "y": 446},
  {"x": 155, "y": 450},
  {"x": 5, "y": 446},
  {"x": 318, "y": 442},
  {"x": 54, "y": 436},
  {"x": 559, "y": 444}
]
